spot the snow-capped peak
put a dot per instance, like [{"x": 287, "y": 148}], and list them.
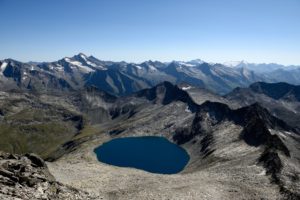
[
  {"x": 79, "y": 65},
  {"x": 234, "y": 63},
  {"x": 84, "y": 57},
  {"x": 85, "y": 62},
  {"x": 187, "y": 64},
  {"x": 196, "y": 62},
  {"x": 191, "y": 63}
]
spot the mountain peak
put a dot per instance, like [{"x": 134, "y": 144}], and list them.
[
  {"x": 148, "y": 62},
  {"x": 191, "y": 63},
  {"x": 233, "y": 63},
  {"x": 166, "y": 93},
  {"x": 81, "y": 54},
  {"x": 196, "y": 61}
]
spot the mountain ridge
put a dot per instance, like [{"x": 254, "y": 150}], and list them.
[
  {"x": 281, "y": 99},
  {"x": 122, "y": 78}
]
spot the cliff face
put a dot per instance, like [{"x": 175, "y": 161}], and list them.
[{"x": 28, "y": 177}]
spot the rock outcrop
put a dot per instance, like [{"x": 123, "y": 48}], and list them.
[{"x": 28, "y": 177}]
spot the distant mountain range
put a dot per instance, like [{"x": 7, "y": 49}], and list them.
[
  {"x": 259, "y": 67},
  {"x": 122, "y": 78}
]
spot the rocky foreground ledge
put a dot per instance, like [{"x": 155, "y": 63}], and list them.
[{"x": 27, "y": 177}]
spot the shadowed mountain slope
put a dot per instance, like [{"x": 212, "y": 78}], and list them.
[{"x": 281, "y": 99}]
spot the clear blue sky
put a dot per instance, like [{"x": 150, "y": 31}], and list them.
[{"x": 137, "y": 30}]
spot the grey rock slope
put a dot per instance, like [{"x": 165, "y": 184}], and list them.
[
  {"x": 234, "y": 153},
  {"x": 281, "y": 99},
  {"x": 277, "y": 141},
  {"x": 27, "y": 177}
]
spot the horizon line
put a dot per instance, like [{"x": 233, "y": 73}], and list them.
[{"x": 147, "y": 60}]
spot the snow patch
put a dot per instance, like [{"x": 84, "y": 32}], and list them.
[
  {"x": 187, "y": 64},
  {"x": 287, "y": 132},
  {"x": 187, "y": 110},
  {"x": 282, "y": 135},
  {"x": 87, "y": 61},
  {"x": 79, "y": 65},
  {"x": 196, "y": 62},
  {"x": 138, "y": 67},
  {"x": 232, "y": 63},
  {"x": 246, "y": 73},
  {"x": 3, "y": 67},
  {"x": 101, "y": 67},
  {"x": 151, "y": 67},
  {"x": 67, "y": 59},
  {"x": 59, "y": 67},
  {"x": 262, "y": 173},
  {"x": 83, "y": 57},
  {"x": 186, "y": 88},
  {"x": 90, "y": 63},
  {"x": 271, "y": 131},
  {"x": 274, "y": 132},
  {"x": 56, "y": 67}
]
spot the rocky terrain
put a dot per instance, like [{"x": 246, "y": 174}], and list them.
[
  {"x": 236, "y": 151},
  {"x": 244, "y": 153},
  {"x": 27, "y": 177}
]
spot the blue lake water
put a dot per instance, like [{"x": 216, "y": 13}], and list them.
[{"x": 152, "y": 154}]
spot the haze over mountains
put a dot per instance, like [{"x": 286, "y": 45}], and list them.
[{"x": 121, "y": 78}]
